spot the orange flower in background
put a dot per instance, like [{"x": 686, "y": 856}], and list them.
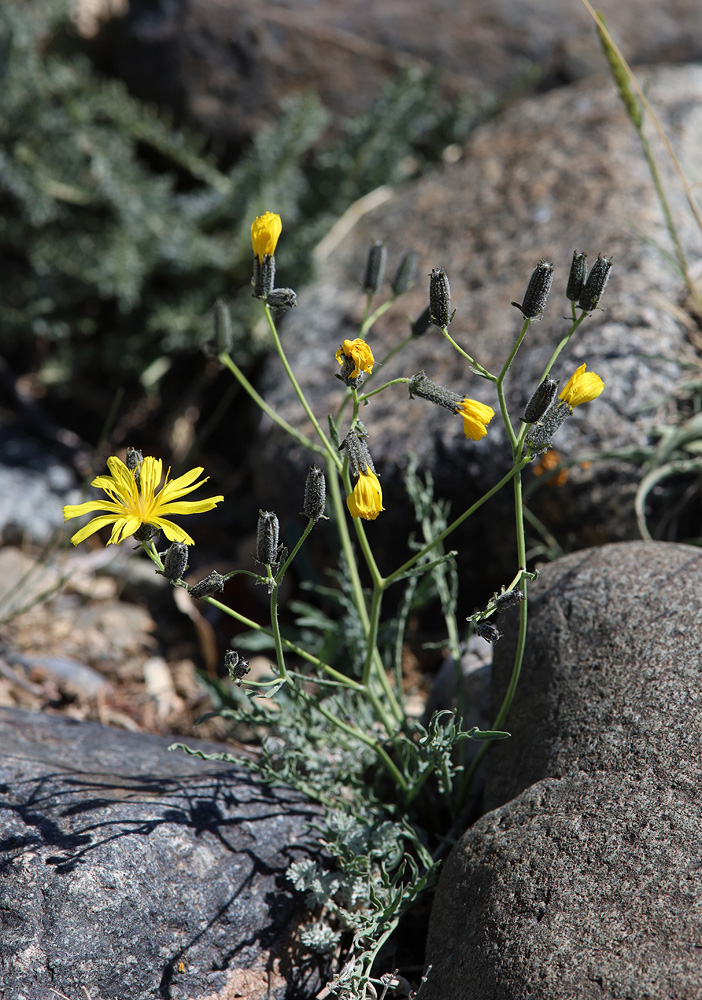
[
  {"x": 361, "y": 354},
  {"x": 551, "y": 460}
]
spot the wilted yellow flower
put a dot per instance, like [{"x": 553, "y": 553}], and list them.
[
  {"x": 476, "y": 417},
  {"x": 361, "y": 354},
  {"x": 265, "y": 232},
  {"x": 135, "y": 502},
  {"x": 366, "y": 501},
  {"x": 581, "y": 387}
]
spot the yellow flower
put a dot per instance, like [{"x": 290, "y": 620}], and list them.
[
  {"x": 361, "y": 354},
  {"x": 366, "y": 501},
  {"x": 265, "y": 232},
  {"x": 131, "y": 505},
  {"x": 581, "y": 387},
  {"x": 476, "y": 417}
]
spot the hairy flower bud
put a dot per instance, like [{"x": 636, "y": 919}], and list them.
[
  {"x": 539, "y": 286},
  {"x": 404, "y": 276},
  {"x": 420, "y": 385},
  {"x": 488, "y": 631},
  {"x": 539, "y": 437},
  {"x": 267, "y": 535},
  {"x": 542, "y": 398},
  {"x": 175, "y": 561},
  {"x": 315, "y": 501},
  {"x": 263, "y": 276},
  {"x": 212, "y": 584},
  {"x": 577, "y": 276},
  {"x": 281, "y": 298},
  {"x": 236, "y": 665},
  {"x": 507, "y": 599},
  {"x": 357, "y": 450},
  {"x": 595, "y": 284},
  {"x": 422, "y": 323},
  {"x": 375, "y": 268},
  {"x": 439, "y": 298},
  {"x": 133, "y": 461}
]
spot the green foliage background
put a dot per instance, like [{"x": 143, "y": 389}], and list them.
[{"x": 118, "y": 232}]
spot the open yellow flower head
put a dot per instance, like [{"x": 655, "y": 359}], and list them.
[
  {"x": 581, "y": 387},
  {"x": 361, "y": 354},
  {"x": 476, "y": 417},
  {"x": 265, "y": 232},
  {"x": 133, "y": 502},
  {"x": 366, "y": 501}
]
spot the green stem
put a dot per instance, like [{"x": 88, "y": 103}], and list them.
[
  {"x": 364, "y": 397},
  {"x": 478, "y": 367},
  {"x": 328, "y": 447},
  {"x": 370, "y": 741},
  {"x": 225, "y": 360},
  {"x": 455, "y": 524}
]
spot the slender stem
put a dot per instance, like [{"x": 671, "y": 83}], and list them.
[
  {"x": 260, "y": 402},
  {"x": 455, "y": 524},
  {"x": 472, "y": 361},
  {"x": 328, "y": 447},
  {"x": 364, "y": 397},
  {"x": 284, "y": 568},
  {"x": 277, "y": 639},
  {"x": 390, "y": 766},
  {"x": 370, "y": 318}
]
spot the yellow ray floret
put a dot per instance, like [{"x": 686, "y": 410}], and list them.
[
  {"x": 265, "y": 232},
  {"x": 581, "y": 387},
  {"x": 361, "y": 354},
  {"x": 132, "y": 504},
  {"x": 366, "y": 501},
  {"x": 476, "y": 417}
]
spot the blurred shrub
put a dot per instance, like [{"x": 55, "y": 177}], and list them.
[{"x": 118, "y": 232}]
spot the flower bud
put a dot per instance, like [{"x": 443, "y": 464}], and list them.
[
  {"x": 281, "y": 298},
  {"x": 236, "y": 665},
  {"x": 175, "y": 561},
  {"x": 577, "y": 276},
  {"x": 539, "y": 437},
  {"x": 263, "y": 276},
  {"x": 375, "y": 268},
  {"x": 223, "y": 334},
  {"x": 422, "y": 323},
  {"x": 507, "y": 599},
  {"x": 212, "y": 584},
  {"x": 420, "y": 385},
  {"x": 542, "y": 398},
  {"x": 267, "y": 533},
  {"x": 315, "y": 501},
  {"x": 356, "y": 448},
  {"x": 404, "y": 276},
  {"x": 595, "y": 284},
  {"x": 145, "y": 532},
  {"x": 439, "y": 298},
  {"x": 488, "y": 631},
  {"x": 539, "y": 286}
]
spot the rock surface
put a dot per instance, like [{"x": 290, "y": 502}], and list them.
[
  {"x": 556, "y": 173},
  {"x": 586, "y": 882},
  {"x": 133, "y": 873},
  {"x": 225, "y": 65}
]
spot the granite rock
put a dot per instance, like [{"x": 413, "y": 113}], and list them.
[
  {"x": 225, "y": 65},
  {"x": 586, "y": 881},
  {"x": 133, "y": 873}
]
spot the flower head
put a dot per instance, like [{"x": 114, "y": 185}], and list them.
[
  {"x": 581, "y": 387},
  {"x": 133, "y": 501},
  {"x": 366, "y": 501},
  {"x": 265, "y": 232},
  {"x": 360, "y": 353},
  {"x": 476, "y": 417}
]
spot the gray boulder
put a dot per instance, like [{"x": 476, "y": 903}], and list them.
[
  {"x": 585, "y": 883},
  {"x": 559, "y": 172},
  {"x": 132, "y": 873},
  {"x": 225, "y": 65}
]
